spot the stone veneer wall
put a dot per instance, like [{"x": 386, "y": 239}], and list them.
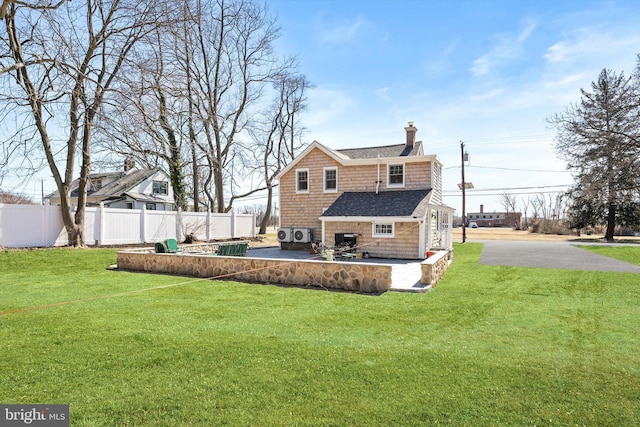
[
  {"x": 434, "y": 267},
  {"x": 362, "y": 277}
]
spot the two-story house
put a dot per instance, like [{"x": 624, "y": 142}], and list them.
[
  {"x": 387, "y": 199},
  {"x": 129, "y": 189}
]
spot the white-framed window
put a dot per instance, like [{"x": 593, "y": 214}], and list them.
[
  {"x": 160, "y": 187},
  {"x": 383, "y": 229},
  {"x": 151, "y": 206},
  {"x": 302, "y": 180},
  {"x": 129, "y": 205},
  {"x": 330, "y": 180},
  {"x": 395, "y": 175}
]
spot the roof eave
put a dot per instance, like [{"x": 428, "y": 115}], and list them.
[
  {"x": 340, "y": 158},
  {"x": 370, "y": 218}
]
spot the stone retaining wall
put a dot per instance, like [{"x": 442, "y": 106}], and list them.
[
  {"x": 335, "y": 275},
  {"x": 434, "y": 267}
]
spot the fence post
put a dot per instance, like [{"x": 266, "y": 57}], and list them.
[
  {"x": 143, "y": 224},
  {"x": 233, "y": 224},
  {"x": 179, "y": 225},
  {"x": 208, "y": 233},
  {"x": 101, "y": 239},
  {"x": 45, "y": 213},
  {"x": 253, "y": 226}
]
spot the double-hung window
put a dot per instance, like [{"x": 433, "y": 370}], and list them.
[
  {"x": 302, "y": 180},
  {"x": 330, "y": 180},
  {"x": 396, "y": 176}
]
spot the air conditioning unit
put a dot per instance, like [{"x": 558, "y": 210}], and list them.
[
  {"x": 285, "y": 235},
  {"x": 302, "y": 235}
]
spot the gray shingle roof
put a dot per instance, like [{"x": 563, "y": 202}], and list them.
[
  {"x": 118, "y": 186},
  {"x": 407, "y": 203},
  {"x": 398, "y": 150}
]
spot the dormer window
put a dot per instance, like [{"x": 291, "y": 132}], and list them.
[
  {"x": 160, "y": 187},
  {"x": 396, "y": 176}
]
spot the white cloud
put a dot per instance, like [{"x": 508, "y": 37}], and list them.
[
  {"x": 507, "y": 47},
  {"x": 580, "y": 45},
  {"x": 326, "y": 105},
  {"x": 558, "y": 52},
  {"x": 383, "y": 93},
  {"x": 344, "y": 32},
  {"x": 527, "y": 31},
  {"x": 482, "y": 65}
]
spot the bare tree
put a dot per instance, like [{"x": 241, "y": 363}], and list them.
[
  {"x": 14, "y": 199},
  {"x": 218, "y": 60},
  {"x": 4, "y": 8},
  {"x": 525, "y": 208},
  {"x": 73, "y": 55},
  {"x": 146, "y": 120},
  {"x": 509, "y": 204},
  {"x": 232, "y": 63},
  {"x": 279, "y": 139}
]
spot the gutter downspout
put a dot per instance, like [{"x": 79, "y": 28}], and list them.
[{"x": 378, "y": 181}]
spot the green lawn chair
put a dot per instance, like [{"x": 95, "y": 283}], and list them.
[
  {"x": 223, "y": 250},
  {"x": 242, "y": 248},
  {"x": 235, "y": 249},
  {"x": 172, "y": 246},
  {"x": 161, "y": 248}
]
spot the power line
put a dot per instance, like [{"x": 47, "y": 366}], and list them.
[
  {"x": 500, "y": 194},
  {"x": 476, "y": 190},
  {"x": 499, "y": 140},
  {"x": 517, "y": 169}
]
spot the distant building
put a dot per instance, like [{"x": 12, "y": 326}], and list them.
[
  {"x": 128, "y": 189},
  {"x": 495, "y": 219}
]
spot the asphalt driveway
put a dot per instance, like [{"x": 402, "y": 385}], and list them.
[{"x": 563, "y": 255}]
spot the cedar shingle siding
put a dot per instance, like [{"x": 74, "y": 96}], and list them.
[
  {"x": 397, "y": 219},
  {"x": 403, "y": 246},
  {"x": 304, "y": 210}
]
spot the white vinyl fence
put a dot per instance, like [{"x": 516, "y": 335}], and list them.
[{"x": 23, "y": 226}]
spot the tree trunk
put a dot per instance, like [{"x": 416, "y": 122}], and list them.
[
  {"x": 611, "y": 222},
  {"x": 175, "y": 161},
  {"x": 218, "y": 183},
  {"x": 267, "y": 214},
  {"x": 195, "y": 177}
]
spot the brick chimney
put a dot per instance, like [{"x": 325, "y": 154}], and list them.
[
  {"x": 129, "y": 163},
  {"x": 411, "y": 134},
  {"x": 481, "y": 208}
]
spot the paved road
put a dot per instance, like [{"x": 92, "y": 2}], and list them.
[{"x": 563, "y": 255}]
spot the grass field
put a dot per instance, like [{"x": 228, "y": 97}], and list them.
[
  {"x": 488, "y": 346},
  {"x": 626, "y": 253}
]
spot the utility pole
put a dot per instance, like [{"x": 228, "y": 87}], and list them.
[{"x": 464, "y": 218}]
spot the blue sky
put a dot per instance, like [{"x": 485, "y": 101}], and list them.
[{"x": 484, "y": 72}]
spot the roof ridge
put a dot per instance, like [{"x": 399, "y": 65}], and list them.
[{"x": 375, "y": 146}]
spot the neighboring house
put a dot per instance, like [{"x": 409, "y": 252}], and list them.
[
  {"x": 495, "y": 219},
  {"x": 388, "y": 199},
  {"x": 129, "y": 189}
]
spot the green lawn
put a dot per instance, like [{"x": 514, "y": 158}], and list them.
[
  {"x": 628, "y": 253},
  {"x": 488, "y": 346}
]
